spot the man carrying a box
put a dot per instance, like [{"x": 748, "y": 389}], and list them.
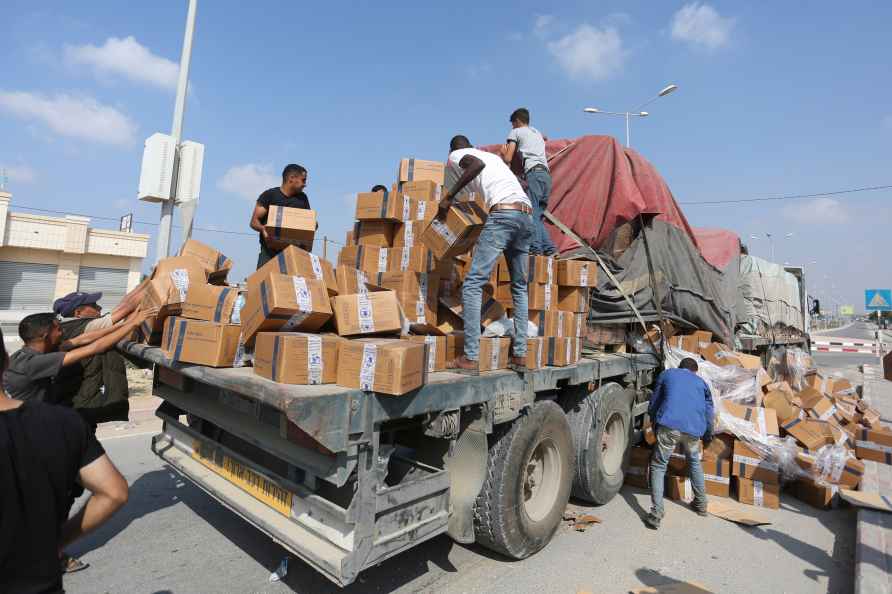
[
  {"x": 681, "y": 411},
  {"x": 289, "y": 195},
  {"x": 530, "y": 143},
  {"x": 508, "y": 230}
]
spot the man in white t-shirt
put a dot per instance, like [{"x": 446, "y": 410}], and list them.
[{"x": 508, "y": 230}]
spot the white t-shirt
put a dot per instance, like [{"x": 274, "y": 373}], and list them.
[{"x": 496, "y": 182}]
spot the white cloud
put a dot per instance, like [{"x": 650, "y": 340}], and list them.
[
  {"x": 700, "y": 25},
  {"x": 18, "y": 173},
  {"x": 248, "y": 180},
  {"x": 543, "y": 24},
  {"x": 128, "y": 58},
  {"x": 818, "y": 211},
  {"x": 589, "y": 52},
  {"x": 69, "y": 115}
]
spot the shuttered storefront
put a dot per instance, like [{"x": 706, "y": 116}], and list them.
[
  {"x": 27, "y": 286},
  {"x": 111, "y": 282}
]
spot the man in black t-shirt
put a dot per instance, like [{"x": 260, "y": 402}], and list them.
[
  {"x": 290, "y": 195},
  {"x": 44, "y": 451}
]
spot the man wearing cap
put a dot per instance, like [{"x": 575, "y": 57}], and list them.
[{"x": 86, "y": 306}]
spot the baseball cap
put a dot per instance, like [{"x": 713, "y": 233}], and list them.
[{"x": 65, "y": 306}]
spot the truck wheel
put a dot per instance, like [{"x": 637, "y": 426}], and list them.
[
  {"x": 527, "y": 485},
  {"x": 601, "y": 424}
]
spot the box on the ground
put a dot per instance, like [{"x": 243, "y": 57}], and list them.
[
  {"x": 542, "y": 270},
  {"x": 212, "y": 344},
  {"x": 291, "y": 225},
  {"x": 408, "y": 233},
  {"x": 721, "y": 447},
  {"x": 490, "y": 309},
  {"x": 537, "y": 352},
  {"x": 563, "y": 351},
  {"x": 678, "y": 488},
  {"x": 413, "y": 170},
  {"x": 384, "y": 365},
  {"x": 423, "y": 190},
  {"x": 693, "y": 342},
  {"x": 781, "y": 403},
  {"x": 554, "y": 323},
  {"x": 214, "y": 262},
  {"x": 781, "y": 386},
  {"x": 297, "y": 357},
  {"x": 209, "y": 302},
  {"x": 573, "y": 299},
  {"x": 750, "y": 464},
  {"x": 542, "y": 297},
  {"x": 436, "y": 351},
  {"x": 285, "y": 303},
  {"x": 848, "y": 474},
  {"x": 868, "y": 450},
  {"x": 819, "y": 496},
  {"x": 494, "y": 353},
  {"x": 370, "y": 313},
  {"x": 758, "y": 493},
  {"x": 817, "y": 404},
  {"x": 456, "y": 232},
  {"x": 717, "y": 476},
  {"x": 294, "y": 261},
  {"x": 577, "y": 273},
  {"x": 367, "y": 258},
  {"x": 639, "y": 464},
  {"x": 763, "y": 420},
  {"x": 417, "y": 258},
  {"x": 807, "y": 432},
  {"x": 352, "y": 281},
  {"x": 374, "y": 233},
  {"x": 870, "y": 417},
  {"x": 859, "y": 433}
]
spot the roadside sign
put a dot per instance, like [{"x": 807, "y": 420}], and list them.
[
  {"x": 878, "y": 299},
  {"x": 846, "y": 310},
  {"x": 127, "y": 223}
]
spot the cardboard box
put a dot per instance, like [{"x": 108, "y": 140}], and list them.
[
  {"x": 678, "y": 488},
  {"x": 494, "y": 353},
  {"x": 563, "y": 351},
  {"x": 781, "y": 386},
  {"x": 447, "y": 320},
  {"x": 604, "y": 333},
  {"x": 758, "y": 493},
  {"x": 577, "y": 273},
  {"x": 351, "y": 281},
  {"x": 382, "y": 365},
  {"x": 720, "y": 448},
  {"x": 817, "y": 405},
  {"x": 542, "y": 297},
  {"x": 639, "y": 466},
  {"x": 437, "y": 351},
  {"x": 455, "y": 345},
  {"x": 490, "y": 310},
  {"x": 178, "y": 272},
  {"x": 296, "y": 226},
  {"x": 780, "y": 403},
  {"x": 163, "y": 295},
  {"x": 456, "y": 232},
  {"x": 423, "y": 190},
  {"x": 868, "y": 450},
  {"x": 408, "y": 234},
  {"x": 844, "y": 387},
  {"x": 717, "y": 476},
  {"x": 859, "y": 433},
  {"x": 870, "y": 417},
  {"x": 214, "y": 262},
  {"x": 807, "y": 432},
  {"x": 417, "y": 258},
  {"x": 693, "y": 342},
  {"x": 749, "y": 464},
  {"x": 412, "y": 169},
  {"x": 286, "y": 304},
  {"x": 374, "y": 233},
  {"x": 819, "y": 496},
  {"x": 367, "y": 258},
  {"x": 296, "y": 357},
  {"x": 348, "y": 238},
  {"x": 573, "y": 299},
  {"x": 848, "y": 474},
  {"x": 542, "y": 270},
  {"x": 385, "y": 205},
  {"x": 719, "y": 354},
  {"x": 537, "y": 352},
  {"x": 209, "y": 302},
  {"x": 554, "y": 323},
  {"x": 294, "y": 261},
  {"x": 763, "y": 420},
  {"x": 200, "y": 342},
  {"x": 371, "y": 313}
]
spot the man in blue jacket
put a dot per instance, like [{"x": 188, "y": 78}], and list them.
[{"x": 681, "y": 411}]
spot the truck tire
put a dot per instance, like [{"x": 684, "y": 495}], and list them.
[
  {"x": 601, "y": 425},
  {"x": 527, "y": 485}
]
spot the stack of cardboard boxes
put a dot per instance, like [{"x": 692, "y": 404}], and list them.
[{"x": 831, "y": 426}]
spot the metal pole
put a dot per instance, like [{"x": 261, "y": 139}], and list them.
[
  {"x": 162, "y": 249},
  {"x": 628, "y": 132},
  {"x": 325, "y": 247}
]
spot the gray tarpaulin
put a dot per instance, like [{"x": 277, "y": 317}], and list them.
[{"x": 768, "y": 297}]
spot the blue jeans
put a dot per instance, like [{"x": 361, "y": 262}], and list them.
[
  {"x": 539, "y": 189},
  {"x": 507, "y": 231},
  {"x": 667, "y": 439}
]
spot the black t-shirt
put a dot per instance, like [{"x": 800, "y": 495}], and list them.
[
  {"x": 42, "y": 449},
  {"x": 275, "y": 197},
  {"x": 30, "y": 374}
]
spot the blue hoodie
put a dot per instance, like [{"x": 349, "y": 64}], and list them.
[{"x": 681, "y": 400}]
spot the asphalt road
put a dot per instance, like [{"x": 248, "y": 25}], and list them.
[{"x": 849, "y": 362}]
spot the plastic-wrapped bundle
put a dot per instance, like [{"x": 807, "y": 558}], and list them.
[
  {"x": 790, "y": 365},
  {"x": 730, "y": 382}
]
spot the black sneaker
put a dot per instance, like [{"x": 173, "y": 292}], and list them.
[
  {"x": 700, "y": 508},
  {"x": 652, "y": 520}
]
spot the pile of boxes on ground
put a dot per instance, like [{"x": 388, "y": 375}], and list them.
[
  {"x": 389, "y": 313},
  {"x": 788, "y": 427}
]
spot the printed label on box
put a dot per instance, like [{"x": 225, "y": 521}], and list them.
[
  {"x": 382, "y": 260},
  {"x": 364, "y": 313},
  {"x": 314, "y": 359},
  {"x": 180, "y": 278},
  {"x": 422, "y": 207},
  {"x": 407, "y": 208},
  {"x": 443, "y": 231},
  {"x": 431, "y": 353},
  {"x": 404, "y": 258},
  {"x": 758, "y": 494},
  {"x": 317, "y": 266},
  {"x": 494, "y": 355},
  {"x": 367, "y": 371}
]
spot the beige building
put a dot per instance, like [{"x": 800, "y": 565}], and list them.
[{"x": 43, "y": 258}]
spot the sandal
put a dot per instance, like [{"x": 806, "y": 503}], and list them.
[{"x": 72, "y": 564}]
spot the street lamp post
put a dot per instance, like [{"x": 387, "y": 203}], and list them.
[{"x": 628, "y": 115}]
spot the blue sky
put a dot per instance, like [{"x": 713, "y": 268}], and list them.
[{"x": 773, "y": 100}]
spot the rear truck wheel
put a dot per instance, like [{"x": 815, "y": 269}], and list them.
[
  {"x": 601, "y": 425},
  {"x": 527, "y": 486}
]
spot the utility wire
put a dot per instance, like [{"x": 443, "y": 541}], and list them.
[{"x": 792, "y": 196}]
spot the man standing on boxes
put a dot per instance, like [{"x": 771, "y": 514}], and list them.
[
  {"x": 681, "y": 411},
  {"x": 508, "y": 230},
  {"x": 290, "y": 195},
  {"x": 530, "y": 143}
]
